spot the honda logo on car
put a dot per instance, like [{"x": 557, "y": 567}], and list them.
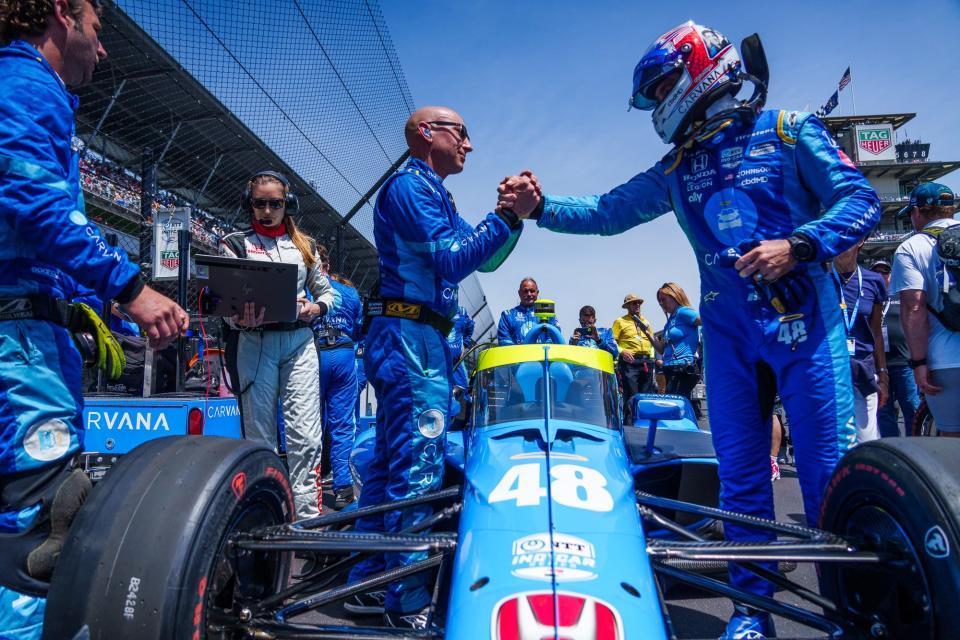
[
  {"x": 574, "y": 559},
  {"x": 129, "y": 420}
]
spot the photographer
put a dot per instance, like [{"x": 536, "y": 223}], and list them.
[
  {"x": 278, "y": 360},
  {"x": 588, "y": 335}
]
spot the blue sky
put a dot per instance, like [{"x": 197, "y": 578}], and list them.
[{"x": 544, "y": 85}]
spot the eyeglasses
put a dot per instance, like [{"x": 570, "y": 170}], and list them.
[
  {"x": 263, "y": 203},
  {"x": 458, "y": 126}
]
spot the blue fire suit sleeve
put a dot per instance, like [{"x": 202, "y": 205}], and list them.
[
  {"x": 38, "y": 184},
  {"x": 608, "y": 344},
  {"x": 419, "y": 218},
  {"x": 851, "y": 206},
  {"x": 641, "y": 199},
  {"x": 503, "y": 331}
]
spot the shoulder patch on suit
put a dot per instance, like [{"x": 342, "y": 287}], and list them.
[{"x": 788, "y": 124}]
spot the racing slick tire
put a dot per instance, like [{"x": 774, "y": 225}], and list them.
[
  {"x": 899, "y": 495},
  {"x": 148, "y": 555}
]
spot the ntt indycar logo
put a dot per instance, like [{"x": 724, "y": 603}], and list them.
[{"x": 574, "y": 559}]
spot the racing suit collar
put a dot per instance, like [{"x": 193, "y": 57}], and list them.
[
  {"x": 24, "y": 48},
  {"x": 416, "y": 164}
]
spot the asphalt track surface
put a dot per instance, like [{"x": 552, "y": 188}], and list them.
[{"x": 694, "y": 614}]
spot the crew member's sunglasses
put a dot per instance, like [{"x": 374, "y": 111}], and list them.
[
  {"x": 458, "y": 126},
  {"x": 263, "y": 203}
]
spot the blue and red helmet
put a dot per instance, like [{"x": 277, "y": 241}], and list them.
[{"x": 706, "y": 67}]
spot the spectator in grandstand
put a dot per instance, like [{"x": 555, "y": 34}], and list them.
[
  {"x": 50, "y": 251},
  {"x": 425, "y": 250},
  {"x": 681, "y": 340},
  {"x": 278, "y": 360},
  {"x": 920, "y": 278},
  {"x": 516, "y": 322},
  {"x": 588, "y": 335},
  {"x": 862, "y": 295},
  {"x": 337, "y": 334},
  {"x": 903, "y": 388},
  {"x": 636, "y": 366}
]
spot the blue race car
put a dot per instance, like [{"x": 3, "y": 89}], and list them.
[{"x": 555, "y": 521}]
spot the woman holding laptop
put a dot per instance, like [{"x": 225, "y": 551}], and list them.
[{"x": 277, "y": 361}]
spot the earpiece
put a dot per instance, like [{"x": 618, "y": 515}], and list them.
[{"x": 426, "y": 132}]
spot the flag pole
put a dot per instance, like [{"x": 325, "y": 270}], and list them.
[{"x": 853, "y": 95}]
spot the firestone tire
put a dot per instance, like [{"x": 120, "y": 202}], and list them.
[
  {"x": 147, "y": 557},
  {"x": 900, "y": 495}
]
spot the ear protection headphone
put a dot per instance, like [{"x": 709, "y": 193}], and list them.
[{"x": 246, "y": 198}]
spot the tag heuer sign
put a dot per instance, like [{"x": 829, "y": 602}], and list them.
[
  {"x": 875, "y": 143},
  {"x": 170, "y": 259}
]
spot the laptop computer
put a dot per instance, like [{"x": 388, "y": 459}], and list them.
[{"x": 235, "y": 281}]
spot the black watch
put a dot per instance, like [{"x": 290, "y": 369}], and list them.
[
  {"x": 801, "y": 248},
  {"x": 913, "y": 364}
]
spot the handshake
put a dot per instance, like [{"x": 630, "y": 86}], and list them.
[{"x": 520, "y": 194}]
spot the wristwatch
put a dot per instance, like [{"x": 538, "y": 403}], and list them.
[
  {"x": 801, "y": 248},
  {"x": 913, "y": 364}
]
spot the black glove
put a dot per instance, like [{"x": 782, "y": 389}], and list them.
[{"x": 785, "y": 294}]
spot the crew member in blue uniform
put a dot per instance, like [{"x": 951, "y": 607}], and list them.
[
  {"x": 49, "y": 254},
  {"x": 425, "y": 250},
  {"x": 459, "y": 339},
  {"x": 337, "y": 335},
  {"x": 748, "y": 188},
  {"x": 516, "y": 322}
]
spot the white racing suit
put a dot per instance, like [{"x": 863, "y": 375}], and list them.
[{"x": 278, "y": 361}]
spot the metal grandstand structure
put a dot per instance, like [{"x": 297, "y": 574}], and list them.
[{"x": 219, "y": 90}]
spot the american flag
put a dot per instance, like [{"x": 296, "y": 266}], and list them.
[{"x": 845, "y": 80}]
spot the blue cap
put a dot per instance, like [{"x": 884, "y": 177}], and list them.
[{"x": 926, "y": 194}]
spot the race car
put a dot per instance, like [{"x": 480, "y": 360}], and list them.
[{"x": 555, "y": 521}]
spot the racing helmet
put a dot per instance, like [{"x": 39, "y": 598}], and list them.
[{"x": 707, "y": 66}]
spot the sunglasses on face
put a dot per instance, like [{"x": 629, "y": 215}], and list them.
[
  {"x": 273, "y": 203},
  {"x": 459, "y": 127}
]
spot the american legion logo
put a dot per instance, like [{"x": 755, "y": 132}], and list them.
[{"x": 875, "y": 141}]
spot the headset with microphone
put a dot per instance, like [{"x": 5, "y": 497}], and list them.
[{"x": 292, "y": 204}]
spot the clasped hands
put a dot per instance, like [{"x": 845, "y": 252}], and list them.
[{"x": 520, "y": 194}]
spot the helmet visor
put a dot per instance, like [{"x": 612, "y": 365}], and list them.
[{"x": 656, "y": 64}]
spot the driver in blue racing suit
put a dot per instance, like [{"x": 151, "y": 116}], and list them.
[
  {"x": 425, "y": 250},
  {"x": 747, "y": 187}
]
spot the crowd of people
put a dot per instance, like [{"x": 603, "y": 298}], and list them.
[
  {"x": 775, "y": 318},
  {"x": 117, "y": 185},
  {"x": 641, "y": 352}
]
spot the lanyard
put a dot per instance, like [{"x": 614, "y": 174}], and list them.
[{"x": 849, "y": 318}]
